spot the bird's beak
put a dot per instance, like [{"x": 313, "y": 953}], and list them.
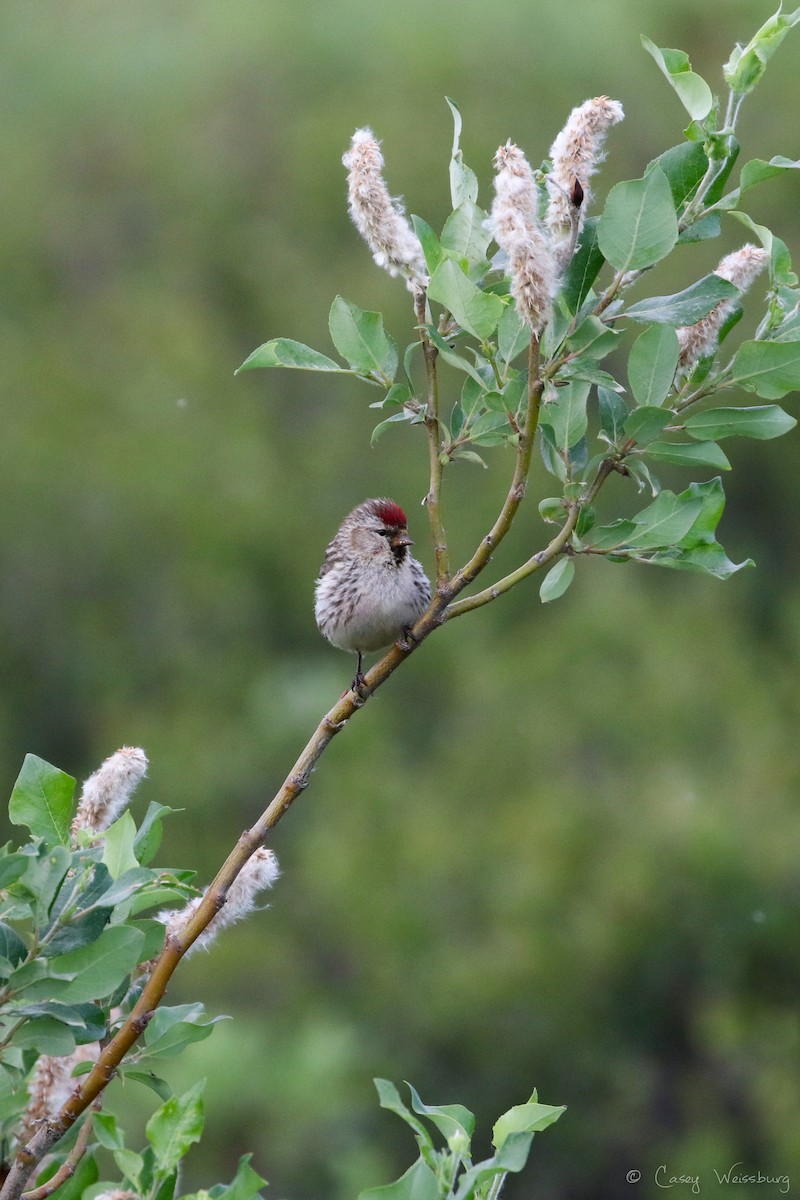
[{"x": 401, "y": 539}]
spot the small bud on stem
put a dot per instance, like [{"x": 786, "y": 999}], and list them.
[{"x": 576, "y": 155}]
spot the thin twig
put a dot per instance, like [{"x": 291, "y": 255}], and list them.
[
  {"x": 516, "y": 491},
  {"x": 433, "y": 500},
  {"x": 69, "y": 1166},
  {"x": 556, "y": 547}
]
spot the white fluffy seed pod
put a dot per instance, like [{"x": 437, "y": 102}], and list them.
[
  {"x": 576, "y": 154},
  {"x": 699, "y": 340},
  {"x": 107, "y": 793},
  {"x": 380, "y": 219},
  {"x": 259, "y": 872},
  {"x": 515, "y": 226}
]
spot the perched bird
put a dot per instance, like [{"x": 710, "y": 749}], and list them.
[{"x": 370, "y": 589}]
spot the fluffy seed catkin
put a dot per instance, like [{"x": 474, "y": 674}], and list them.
[
  {"x": 576, "y": 154},
  {"x": 259, "y": 872},
  {"x": 378, "y": 218},
  {"x": 697, "y": 341},
  {"x": 107, "y": 793},
  {"x": 515, "y": 226}
]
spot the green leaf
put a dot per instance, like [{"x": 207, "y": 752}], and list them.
[
  {"x": 107, "y": 1132},
  {"x": 699, "y": 231},
  {"x": 762, "y": 423},
  {"x": 42, "y": 800},
  {"x": 652, "y": 363},
  {"x": 684, "y": 166},
  {"x": 664, "y": 522},
  {"x": 476, "y": 311},
  {"x": 118, "y": 854},
  {"x": 245, "y": 1185},
  {"x": 93, "y": 971},
  {"x": 452, "y": 1120},
  {"x": 454, "y": 358},
  {"x": 610, "y": 537},
  {"x": 389, "y": 1098},
  {"x": 148, "y": 839},
  {"x": 130, "y": 882},
  {"x": 283, "y": 352},
  {"x": 431, "y": 248},
  {"x": 770, "y": 369},
  {"x": 130, "y": 1164},
  {"x": 584, "y": 267},
  {"x": 86, "y": 1021},
  {"x": 12, "y": 946},
  {"x": 645, "y": 424},
  {"x": 693, "y": 91},
  {"x": 513, "y": 335},
  {"x": 525, "y": 1118},
  {"x": 512, "y": 1156},
  {"x": 593, "y": 339},
  {"x": 44, "y": 877},
  {"x": 757, "y": 170},
  {"x": 360, "y": 339},
  {"x": 638, "y": 226},
  {"x": 463, "y": 182},
  {"x": 465, "y": 234},
  {"x": 708, "y": 560},
  {"x": 46, "y": 1036},
  {"x": 175, "y": 1127},
  {"x": 157, "y": 1085},
  {"x": 557, "y": 580},
  {"x": 172, "y": 1028},
  {"x": 747, "y": 63},
  {"x": 418, "y": 1183},
  {"x": 12, "y": 867},
  {"x": 552, "y": 510},
  {"x": 686, "y": 307},
  {"x": 613, "y": 415},
  {"x": 566, "y": 414},
  {"x": 382, "y": 426},
  {"x": 690, "y": 454}
]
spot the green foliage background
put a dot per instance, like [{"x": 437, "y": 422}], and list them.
[{"x": 560, "y": 849}]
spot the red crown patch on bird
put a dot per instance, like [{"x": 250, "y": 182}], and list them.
[{"x": 390, "y": 513}]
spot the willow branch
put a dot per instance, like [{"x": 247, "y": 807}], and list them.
[
  {"x": 433, "y": 500},
  {"x": 557, "y": 546},
  {"x": 68, "y": 1167},
  {"x": 176, "y": 944}
]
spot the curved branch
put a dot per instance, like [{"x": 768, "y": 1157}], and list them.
[
  {"x": 516, "y": 491},
  {"x": 556, "y": 547},
  {"x": 68, "y": 1167}
]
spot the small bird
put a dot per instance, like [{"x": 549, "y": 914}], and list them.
[{"x": 370, "y": 589}]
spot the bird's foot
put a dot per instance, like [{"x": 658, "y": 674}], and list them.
[
  {"x": 407, "y": 641},
  {"x": 359, "y": 687}
]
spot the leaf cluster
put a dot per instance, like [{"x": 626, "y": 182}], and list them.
[
  {"x": 449, "y": 1172},
  {"x": 75, "y": 940}
]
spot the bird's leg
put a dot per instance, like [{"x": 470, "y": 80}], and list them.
[{"x": 359, "y": 682}]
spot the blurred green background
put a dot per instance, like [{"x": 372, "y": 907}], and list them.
[{"x": 560, "y": 849}]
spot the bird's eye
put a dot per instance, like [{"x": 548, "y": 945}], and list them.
[{"x": 382, "y": 532}]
